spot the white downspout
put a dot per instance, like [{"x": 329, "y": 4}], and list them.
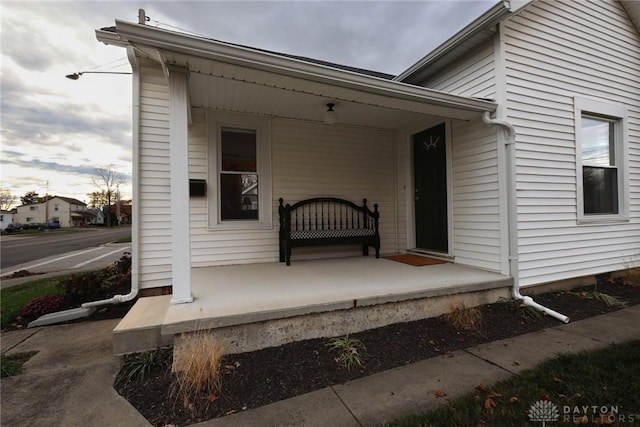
[
  {"x": 135, "y": 209},
  {"x": 512, "y": 218}
]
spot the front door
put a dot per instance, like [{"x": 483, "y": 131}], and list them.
[{"x": 430, "y": 186}]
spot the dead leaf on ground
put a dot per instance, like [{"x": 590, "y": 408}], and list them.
[
  {"x": 582, "y": 420},
  {"x": 212, "y": 397},
  {"x": 605, "y": 419},
  {"x": 481, "y": 388},
  {"x": 489, "y": 403},
  {"x": 514, "y": 399},
  {"x": 438, "y": 393}
]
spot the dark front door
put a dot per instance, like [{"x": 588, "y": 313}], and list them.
[{"x": 430, "y": 180}]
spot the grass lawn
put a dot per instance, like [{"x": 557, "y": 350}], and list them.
[
  {"x": 16, "y": 297},
  {"x": 600, "y": 387}
]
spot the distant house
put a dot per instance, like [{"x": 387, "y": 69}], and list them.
[
  {"x": 98, "y": 216},
  {"x": 6, "y": 218},
  {"x": 512, "y": 148},
  {"x": 65, "y": 211}
]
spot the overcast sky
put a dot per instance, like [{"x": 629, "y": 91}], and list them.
[{"x": 58, "y": 131}]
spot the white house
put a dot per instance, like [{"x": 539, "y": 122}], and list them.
[
  {"x": 512, "y": 151},
  {"x": 66, "y": 211},
  {"x": 6, "y": 218}
]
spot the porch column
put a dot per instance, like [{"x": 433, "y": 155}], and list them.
[{"x": 179, "y": 178}]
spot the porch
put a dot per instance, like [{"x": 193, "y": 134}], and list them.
[{"x": 255, "y": 306}]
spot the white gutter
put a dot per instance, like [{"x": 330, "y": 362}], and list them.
[
  {"x": 144, "y": 35},
  {"x": 487, "y": 19},
  {"x": 135, "y": 210},
  {"x": 512, "y": 218}
]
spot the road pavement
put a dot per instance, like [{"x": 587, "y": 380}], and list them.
[
  {"x": 20, "y": 248},
  {"x": 73, "y": 262}
]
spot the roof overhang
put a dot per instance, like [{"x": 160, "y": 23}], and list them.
[
  {"x": 633, "y": 10},
  {"x": 238, "y": 65},
  {"x": 476, "y": 33}
]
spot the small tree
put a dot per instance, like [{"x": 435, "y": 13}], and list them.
[
  {"x": 31, "y": 198},
  {"x": 6, "y": 199},
  {"x": 108, "y": 182},
  {"x": 97, "y": 199}
]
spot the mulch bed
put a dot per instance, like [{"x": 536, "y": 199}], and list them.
[{"x": 257, "y": 378}]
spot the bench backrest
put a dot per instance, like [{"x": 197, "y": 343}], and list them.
[{"x": 327, "y": 213}]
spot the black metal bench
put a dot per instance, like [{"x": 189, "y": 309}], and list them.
[{"x": 327, "y": 221}]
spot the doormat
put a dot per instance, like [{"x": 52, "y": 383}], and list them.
[{"x": 415, "y": 260}]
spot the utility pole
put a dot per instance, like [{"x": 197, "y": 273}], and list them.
[{"x": 46, "y": 205}]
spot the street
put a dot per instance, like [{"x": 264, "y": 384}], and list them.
[{"x": 19, "y": 250}]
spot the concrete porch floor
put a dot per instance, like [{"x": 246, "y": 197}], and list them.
[{"x": 259, "y": 305}]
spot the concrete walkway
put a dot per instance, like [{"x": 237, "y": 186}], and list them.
[{"x": 68, "y": 383}]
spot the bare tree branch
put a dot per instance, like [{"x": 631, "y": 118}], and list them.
[{"x": 108, "y": 182}]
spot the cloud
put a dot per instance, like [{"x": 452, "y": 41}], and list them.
[{"x": 57, "y": 130}]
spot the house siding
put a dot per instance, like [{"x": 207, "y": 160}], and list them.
[
  {"x": 476, "y": 196},
  {"x": 473, "y": 75},
  {"x": 308, "y": 160},
  {"x": 553, "y": 52},
  {"x": 154, "y": 182}
]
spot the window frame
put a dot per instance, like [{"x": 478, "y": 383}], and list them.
[
  {"x": 216, "y": 121},
  {"x": 618, "y": 115}
]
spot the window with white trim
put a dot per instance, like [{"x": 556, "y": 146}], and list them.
[
  {"x": 239, "y": 171},
  {"x": 601, "y": 135}
]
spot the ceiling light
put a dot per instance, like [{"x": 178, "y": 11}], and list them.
[{"x": 330, "y": 116}]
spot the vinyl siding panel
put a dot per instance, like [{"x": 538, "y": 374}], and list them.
[
  {"x": 476, "y": 204},
  {"x": 553, "y": 52},
  {"x": 474, "y": 75},
  {"x": 154, "y": 203},
  {"x": 308, "y": 160}
]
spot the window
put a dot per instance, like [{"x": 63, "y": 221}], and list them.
[
  {"x": 239, "y": 171},
  {"x": 238, "y": 175},
  {"x": 56, "y": 207},
  {"x": 600, "y": 145},
  {"x": 33, "y": 208},
  {"x": 29, "y": 219}
]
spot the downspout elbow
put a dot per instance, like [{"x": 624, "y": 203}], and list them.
[
  {"x": 512, "y": 217},
  {"x": 116, "y": 299},
  {"x": 508, "y": 127}
]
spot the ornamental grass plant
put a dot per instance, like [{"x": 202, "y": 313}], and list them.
[{"x": 197, "y": 376}]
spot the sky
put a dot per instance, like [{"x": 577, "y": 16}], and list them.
[{"x": 55, "y": 132}]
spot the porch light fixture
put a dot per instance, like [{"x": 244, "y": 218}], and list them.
[
  {"x": 76, "y": 76},
  {"x": 330, "y": 116}
]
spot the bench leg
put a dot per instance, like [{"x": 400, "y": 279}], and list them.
[
  {"x": 365, "y": 249},
  {"x": 281, "y": 250},
  {"x": 288, "y": 253}
]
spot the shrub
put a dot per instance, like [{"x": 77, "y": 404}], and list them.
[
  {"x": 631, "y": 276},
  {"x": 350, "y": 351},
  {"x": 42, "y": 305},
  {"x": 463, "y": 317},
  {"x": 521, "y": 309},
  {"x": 138, "y": 366},
  {"x": 100, "y": 284},
  {"x": 196, "y": 368}
]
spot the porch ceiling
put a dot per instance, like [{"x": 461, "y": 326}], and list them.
[
  {"x": 237, "y": 78},
  {"x": 236, "y": 88}
]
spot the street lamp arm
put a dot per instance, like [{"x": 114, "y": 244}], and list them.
[{"x": 76, "y": 76}]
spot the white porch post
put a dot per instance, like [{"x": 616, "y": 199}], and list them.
[{"x": 179, "y": 176}]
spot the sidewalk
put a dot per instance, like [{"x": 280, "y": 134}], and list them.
[{"x": 68, "y": 383}]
